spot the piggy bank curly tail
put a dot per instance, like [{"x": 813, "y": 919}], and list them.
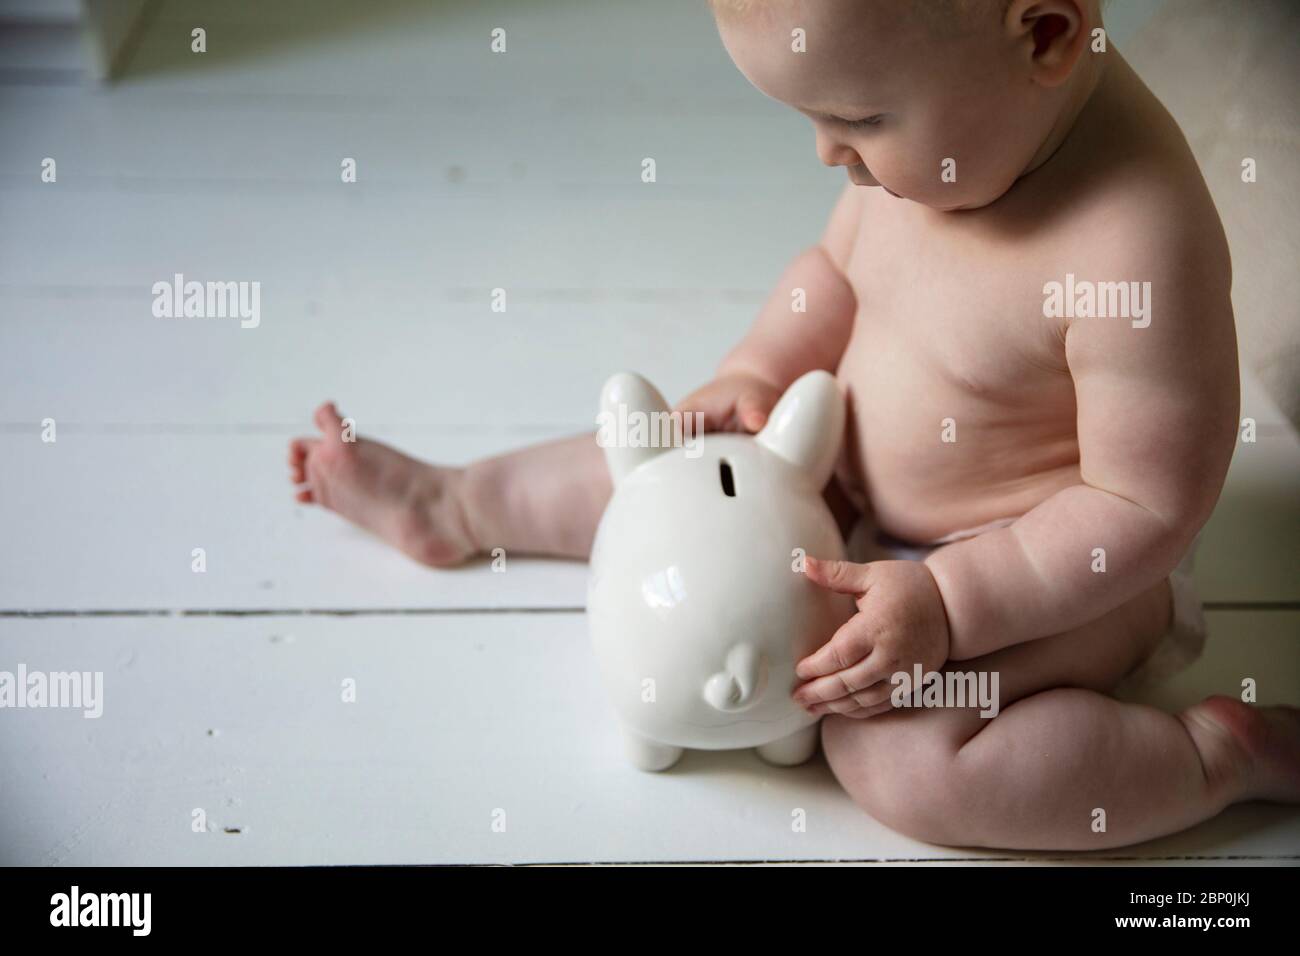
[{"x": 741, "y": 681}]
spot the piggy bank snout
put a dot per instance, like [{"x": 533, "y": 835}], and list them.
[{"x": 741, "y": 681}]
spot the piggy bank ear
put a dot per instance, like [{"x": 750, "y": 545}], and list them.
[
  {"x": 626, "y": 423},
  {"x": 807, "y": 425}
]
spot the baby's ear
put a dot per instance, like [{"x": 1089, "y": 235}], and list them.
[
  {"x": 625, "y": 399},
  {"x": 1054, "y": 34},
  {"x": 807, "y": 425}
]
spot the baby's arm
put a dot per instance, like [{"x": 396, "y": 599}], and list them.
[
  {"x": 1157, "y": 413},
  {"x": 784, "y": 344}
]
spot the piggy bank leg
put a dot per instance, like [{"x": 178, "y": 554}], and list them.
[
  {"x": 792, "y": 750},
  {"x": 647, "y": 754}
]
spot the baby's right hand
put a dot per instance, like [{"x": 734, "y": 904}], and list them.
[{"x": 735, "y": 401}]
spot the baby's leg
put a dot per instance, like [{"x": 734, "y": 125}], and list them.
[
  {"x": 546, "y": 499},
  {"x": 543, "y": 499},
  {"x": 1060, "y": 749}
]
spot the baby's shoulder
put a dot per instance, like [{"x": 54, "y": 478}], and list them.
[
  {"x": 1152, "y": 230},
  {"x": 1143, "y": 239},
  {"x": 1145, "y": 208}
]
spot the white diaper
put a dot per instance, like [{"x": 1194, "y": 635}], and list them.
[
  {"x": 1185, "y": 639},
  {"x": 1181, "y": 645}
]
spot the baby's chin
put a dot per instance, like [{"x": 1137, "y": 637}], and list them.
[
  {"x": 938, "y": 203},
  {"x": 859, "y": 176}
]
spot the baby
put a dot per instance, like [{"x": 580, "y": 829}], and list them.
[{"x": 1024, "y": 291}]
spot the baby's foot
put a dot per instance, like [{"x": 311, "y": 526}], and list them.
[
  {"x": 415, "y": 507},
  {"x": 1258, "y": 748}
]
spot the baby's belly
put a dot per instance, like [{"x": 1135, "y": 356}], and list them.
[{"x": 930, "y": 453}]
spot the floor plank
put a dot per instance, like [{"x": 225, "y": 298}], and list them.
[
  {"x": 455, "y": 718},
  {"x": 400, "y": 360},
  {"x": 110, "y": 520}
]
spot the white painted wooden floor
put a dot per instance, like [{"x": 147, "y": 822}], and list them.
[{"x": 476, "y": 692}]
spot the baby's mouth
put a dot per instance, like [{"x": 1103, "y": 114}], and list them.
[{"x": 859, "y": 176}]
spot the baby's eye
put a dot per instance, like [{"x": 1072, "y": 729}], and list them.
[{"x": 865, "y": 121}]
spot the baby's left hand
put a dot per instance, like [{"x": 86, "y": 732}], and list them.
[{"x": 900, "y": 621}]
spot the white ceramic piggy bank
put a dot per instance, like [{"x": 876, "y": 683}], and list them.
[{"x": 697, "y": 602}]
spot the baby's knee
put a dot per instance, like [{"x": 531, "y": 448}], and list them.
[{"x": 910, "y": 782}]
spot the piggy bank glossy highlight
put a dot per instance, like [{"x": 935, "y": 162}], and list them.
[{"x": 697, "y": 603}]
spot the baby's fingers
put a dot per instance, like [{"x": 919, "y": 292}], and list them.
[
  {"x": 842, "y": 683},
  {"x": 753, "y": 407},
  {"x": 834, "y": 689},
  {"x": 843, "y": 576},
  {"x": 847, "y": 647},
  {"x": 855, "y": 712},
  {"x": 715, "y": 405}
]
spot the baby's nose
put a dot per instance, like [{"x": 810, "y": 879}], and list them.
[{"x": 832, "y": 153}]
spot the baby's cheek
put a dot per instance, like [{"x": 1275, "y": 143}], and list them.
[
  {"x": 937, "y": 167},
  {"x": 925, "y": 189},
  {"x": 922, "y": 176},
  {"x": 947, "y": 186}
]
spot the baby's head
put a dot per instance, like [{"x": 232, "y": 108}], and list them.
[{"x": 894, "y": 88}]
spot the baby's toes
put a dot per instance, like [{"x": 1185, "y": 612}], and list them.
[
  {"x": 329, "y": 421},
  {"x": 299, "y": 451}
]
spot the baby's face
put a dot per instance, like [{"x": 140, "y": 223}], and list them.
[{"x": 892, "y": 98}]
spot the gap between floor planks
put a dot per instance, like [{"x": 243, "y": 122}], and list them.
[{"x": 424, "y": 611}]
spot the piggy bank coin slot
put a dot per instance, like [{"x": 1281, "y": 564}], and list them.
[{"x": 728, "y": 482}]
